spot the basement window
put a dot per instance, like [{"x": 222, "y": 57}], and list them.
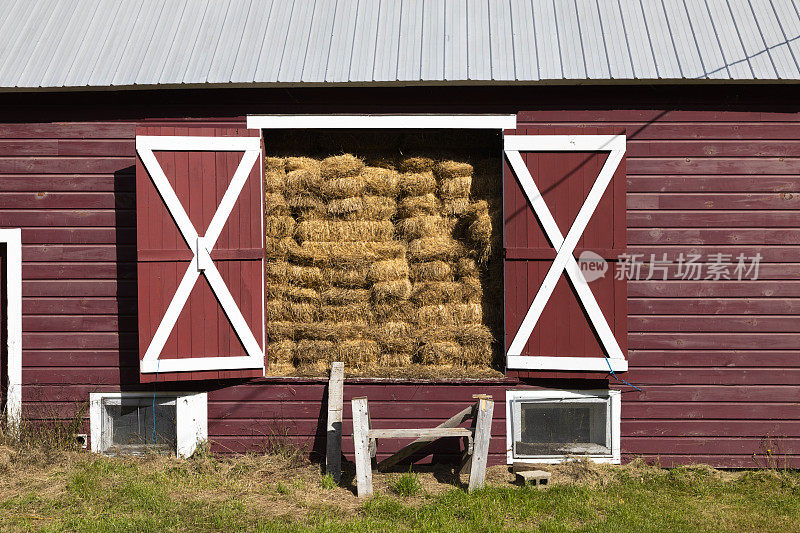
[
  {"x": 131, "y": 423},
  {"x": 545, "y": 426}
]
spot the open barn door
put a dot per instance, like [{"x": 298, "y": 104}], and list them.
[
  {"x": 564, "y": 198},
  {"x": 200, "y": 253}
]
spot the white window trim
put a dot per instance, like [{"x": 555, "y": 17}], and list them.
[
  {"x": 614, "y": 421},
  {"x": 361, "y": 121},
  {"x": 191, "y": 413},
  {"x": 12, "y": 238}
]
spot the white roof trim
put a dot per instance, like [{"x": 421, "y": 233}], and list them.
[{"x": 431, "y": 121}]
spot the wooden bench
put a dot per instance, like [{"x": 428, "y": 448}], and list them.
[{"x": 365, "y": 441}]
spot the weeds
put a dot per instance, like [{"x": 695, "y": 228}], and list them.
[
  {"x": 49, "y": 432},
  {"x": 407, "y": 484},
  {"x": 327, "y": 482}
]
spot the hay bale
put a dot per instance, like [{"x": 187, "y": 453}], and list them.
[
  {"x": 274, "y": 174},
  {"x": 277, "y": 249},
  {"x": 272, "y": 164},
  {"x": 332, "y": 331},
  {"x": 281, "y": 330},
  {"x": 453, "y": 169},
  {"x": 399, "y": 289},
  {"x": 343, "y": 187},
  {"x": 480, "y": 230},
  {"x": 340, "y": 296},
  {"x": 353, "y": 277},
  {"x": 433, "y": 248},
  {"x": 480, "y": 354},
  {"x": 438, "y": 292},
  {"x": 302, "y": 180},
  {"x": 356, "y": 352},
  {"x": 378, "y": 208},
  {"x": 389, "y": 270},
  {"x": 357, "y": 311},
  {"x": 401, "y": 311},
  {"x": 283, "y": 272},
  {"x": 305, "y": 204},
  {"x": 280, "y": 353},
  {"x": 284, "y": 310},
  {"x": 431, "y": 271},
  {"x": 466, "y": 267},
  {"x": 438, "y": 353},
  {"x": 416, "y": 164},
  {"x": 451, "y": 314},
  {"x": 344, "y": 253},
  {"x": 309, "y": 352},
  {"x": 344, "y": 230},
  {"x": 471, "y": 334},
  {"x": 417, "y": 184},
  {"x": 394, "y": 359},
  {"x": 394, "y": 336},
  {"x": 275, "y": 204},
  {"x": 340, "y": 166},
  {"x": 278, "y": 227},
  {"x": 380, "y": 181},
  {"x": 472, "y": 289},
  {"x": 455, "y": 187},
  {"x": 425, "y": 226},
  {"x": 278, "y": 291},
  {"x": 455, "y": 206},
  {"x": 345, "y": 206},
  {"x": 301, "y": 163},
  {"x": 427, "y": 204}
]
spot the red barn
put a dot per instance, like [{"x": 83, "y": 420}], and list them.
[{"x": 648, "y": 161}]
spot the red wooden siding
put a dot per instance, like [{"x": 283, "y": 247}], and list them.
[
  {"x": 564, "y": 180},
  {"x": 718, "y": 361},
  {"x": 199, "y": 179}
]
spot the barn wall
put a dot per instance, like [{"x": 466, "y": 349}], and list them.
[{"x": 718, "y": 361}]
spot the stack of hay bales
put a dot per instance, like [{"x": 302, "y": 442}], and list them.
[{"x": 378, "y": 267}]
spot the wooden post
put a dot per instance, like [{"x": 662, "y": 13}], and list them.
[
  {"x": 480, "y": 447},
  {"x": 361, "y": 445},
  {"x": 333, "y": 456}
]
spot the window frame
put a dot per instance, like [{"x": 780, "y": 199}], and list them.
[
  {"x": 191, "y": 418},
  {"x": 612, "y": 398}
]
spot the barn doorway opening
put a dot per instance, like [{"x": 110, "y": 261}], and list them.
[{"x": 383, "y": 251}]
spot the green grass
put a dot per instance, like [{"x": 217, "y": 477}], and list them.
[
  {"x": 407, "y": 484},
  {"x": 82, "y": 492}
]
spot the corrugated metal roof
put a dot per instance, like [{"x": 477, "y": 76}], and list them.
[{"x": 127, "y": 43}]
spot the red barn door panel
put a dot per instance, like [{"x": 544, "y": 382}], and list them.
[
  {"x": 554, "y": 180},
  {"x": 200, "y": 253}
]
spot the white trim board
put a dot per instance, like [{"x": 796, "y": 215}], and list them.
[
  {"x": 191, "y": 413},
  {"x": 12, "y": 238},
  {"x": 201, "y": 246},
  {"x": 614, "y": 422},
  {"x": 431, "y": 121},
  {"x": 564, "y": 260},
  {"x": 586, "y": 364}
]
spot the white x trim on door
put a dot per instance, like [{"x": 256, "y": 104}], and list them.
[
  {"x": 565, "y": 246},
  {"x": 201, "y": 246}
]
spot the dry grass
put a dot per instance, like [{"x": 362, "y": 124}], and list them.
[{"x": 281, "y": 491}]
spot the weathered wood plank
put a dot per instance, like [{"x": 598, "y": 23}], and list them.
[
  {"x": 480, "y": 450},
  {"x": 361, "y": 446},
  {"x": 415, "y": 433},
  {"x": 333, "y": 455}
]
